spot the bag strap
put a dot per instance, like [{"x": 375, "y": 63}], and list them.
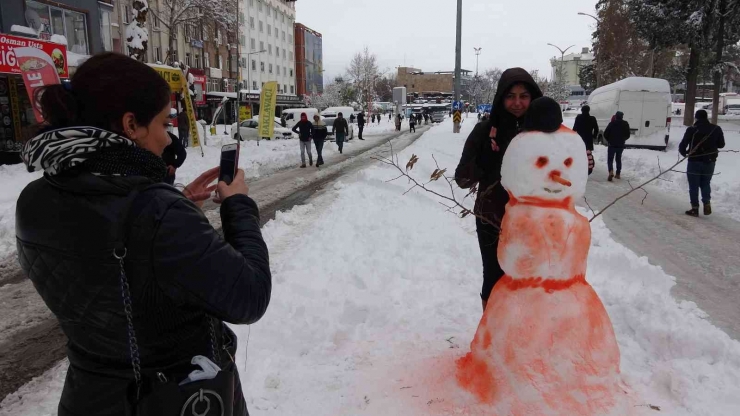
[{"x": 120, "y": 254}]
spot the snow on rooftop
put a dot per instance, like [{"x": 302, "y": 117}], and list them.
[
  {"x": 60, "y": 39},
  {"x": 24, "y": 30},
  {"x": 76, "y": 59}
]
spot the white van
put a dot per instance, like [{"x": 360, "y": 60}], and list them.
[
  {"x": 331, "y": 113},
  {"x": 646, "y": 104},
  {"x": 293, "y": 115}
]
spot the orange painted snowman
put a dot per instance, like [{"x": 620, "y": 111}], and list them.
[{"x": 545, "y": 345}]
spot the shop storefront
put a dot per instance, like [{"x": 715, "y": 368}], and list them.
[{"x": 17, "y": 120}]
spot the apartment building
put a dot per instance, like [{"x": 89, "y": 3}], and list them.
[
  {"x": 267, "y": 44},
  {"x": 309, "y": 60}
]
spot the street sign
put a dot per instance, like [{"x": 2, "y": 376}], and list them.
[
  {"x": 457, "y": 117},
  {"x": 457, "y": 105},
  {"x": 484, "y": 108}
]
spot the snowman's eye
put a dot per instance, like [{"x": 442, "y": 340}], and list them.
[
  {"x": 542, "y": 161},
  {"x": 568, "y": 162}
]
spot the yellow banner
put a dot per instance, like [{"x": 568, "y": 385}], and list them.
[
  {"x": 245, "y": 113},
  {"x": 173, "y": 76},
  {"x": 268, "y": 101}
]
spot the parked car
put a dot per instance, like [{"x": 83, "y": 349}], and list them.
[
  {"x": 646, "y": 104},
  {"x": 249, "y": 130}
]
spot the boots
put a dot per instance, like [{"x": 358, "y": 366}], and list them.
[
  {"x": 693, "y": 212},
  {"x": 617, "y": 176},
  {"x": 707, "y": 209},
  {"x": 611, "y": 176}
]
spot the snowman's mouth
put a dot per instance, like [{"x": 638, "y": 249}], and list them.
[{"x": 553, "y": 191}]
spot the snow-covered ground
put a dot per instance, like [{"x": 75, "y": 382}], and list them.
[
  {"x": 639, "y": 165},
  {"x": 376, "y": 294}
]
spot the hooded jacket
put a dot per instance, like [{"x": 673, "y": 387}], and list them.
[
  {"x": 304, "y": 128},
  {"x": 479, "y": 164},
  {"x": 587, "y": 127},
  {"x": 618, "y": 131},
  {"x": 703, "y": 140}
]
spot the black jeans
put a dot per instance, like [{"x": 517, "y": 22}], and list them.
[
  {"x": 610, "y": 154},
  {"x": 412, "y": 127},
  {"x": 700, "y": 177},
  {"x": 488, "y": 236},
  {"x": 319, "y": 147},
  {"x": 360, "y": 127}
]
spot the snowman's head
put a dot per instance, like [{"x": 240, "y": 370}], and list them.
[{"x": 549, "y": 166}]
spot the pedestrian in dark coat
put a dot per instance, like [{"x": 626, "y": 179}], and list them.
[
  {"x": 360, "y": 125},
  {"x": 701, "y": 143},
  {"x": 183, "y": 127},
  {"x": 616, "y": 134},
  {"x": 412, "y": 124},
  {"x": 174, "y": 156},
  {"x": 319, "y": 136},
  {"x": 103, "y": 167},
  {"x": 398, "y": 122},
  {"x": 587, "y": 127},
  {"x": 390, "y": 116},
  {"x": 304, "y": 128},
  {"x": 373, "y": 118},
  {"x": 352, "y": 118},
  {"x": 480, "y": 165},
  {"x": 341, "y": 131}
]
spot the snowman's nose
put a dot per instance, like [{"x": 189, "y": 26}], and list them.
[{"x": 555, "y": 176}]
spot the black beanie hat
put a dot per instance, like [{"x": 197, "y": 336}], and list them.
[
  {"x": 701, "y": 115},
  {"x": 545, "y": 115}
]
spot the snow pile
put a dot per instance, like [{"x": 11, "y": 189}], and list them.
[
  {"x": 60, "y": 39},
  {"x": 375, "y": 295},
  {"x": 14, "y": 179},
  {"x": 640, "y": 165},
  {"x": 25, "y": 30}
]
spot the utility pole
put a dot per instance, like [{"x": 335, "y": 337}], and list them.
[
  {"x": 596, "y": 69},
  {"x": 477, "y": 55},
  {"x": 458, "y": 60}
]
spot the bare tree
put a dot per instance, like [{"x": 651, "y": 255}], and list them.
[{"x": 364, "y": 73}]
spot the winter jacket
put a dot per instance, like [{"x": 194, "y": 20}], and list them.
[
  {"x": 180, "y": 272},
  {"x": 341, "y": 127},
  {"x": 479, "y": 164},
  {"x": 174, "y": 154},
  {"x": 306, "y": 130},
  {"x": 587, "y": 127},
  {"x": 618, "y": 131},
  {"x": 319, "y": 132},
  {"x": 361, "y": 119},
  {"x": 703, "y": 140}
]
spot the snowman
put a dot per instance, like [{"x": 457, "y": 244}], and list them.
[{"x": 545, "y": 344}]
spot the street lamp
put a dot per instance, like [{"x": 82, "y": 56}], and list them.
[
  {"x": 477, "y": 54},
  {"x": 598, "y": 22},
  {"x": 590, "y": 15},
  {"x": 562, "y": 55}
]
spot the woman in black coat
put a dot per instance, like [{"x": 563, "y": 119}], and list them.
[
  {"x": 480, "y": 165},
  {"x": 100, "y": 217}
]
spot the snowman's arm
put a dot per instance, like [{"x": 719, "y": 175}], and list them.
[{"x": 468, "y": 171}]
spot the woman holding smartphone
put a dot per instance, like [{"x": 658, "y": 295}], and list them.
[{"x": 104, "y": 241}]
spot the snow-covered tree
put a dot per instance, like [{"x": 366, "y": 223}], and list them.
[
  {"x": 137, "y": 35},
  {"x": 384, "y": 88},
  {"x": 364, "y": 73},
  {"x": 587, "y": 78},
  {"x": 331, "y": 97},
  {"x": 482, "y": 88},
  {"x": 558, "y": 91}
]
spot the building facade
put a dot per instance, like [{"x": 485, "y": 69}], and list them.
[
  {"x": 417, "y": 81},
  {"x": 571, "y": 64},
  {"x": 267, "y": 44},
  {"x": 309, "y": 61}
]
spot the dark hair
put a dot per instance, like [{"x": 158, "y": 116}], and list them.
[
  {"x": 701, "y": 115},
  {"x": 103, "y": 89}
]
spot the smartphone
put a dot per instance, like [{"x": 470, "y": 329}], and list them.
[{"x": 229, "y": 163}]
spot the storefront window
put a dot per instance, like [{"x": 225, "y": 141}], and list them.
[{"x": 71, "y": 25}]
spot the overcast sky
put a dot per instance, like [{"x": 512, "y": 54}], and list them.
[{"x": 421, "y": 33}]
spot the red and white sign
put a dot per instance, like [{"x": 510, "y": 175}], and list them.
[
  {"x": 9, "y": 61},
  {"x": 38, "y": 70}
]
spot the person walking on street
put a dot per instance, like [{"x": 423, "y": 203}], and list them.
[
  {"x": 174, "y": 156},
  {"x": 616, "y": 134},
  {"x": 183, "y": 127},
  {"x": 412, "y": 124},
  {"x": 360, "y": 124},
  {"x": 373, "y": 118},
  {"x": 319, "y": 136},
  {"x": 701, "y": 143},
  {"x": 341, "y": 130},
  {"x": 304, "y": 128},
  {"x": 146, "y": 284},
  {"x": 398, "y": 122},
  {"x": 390, "y": 116},
  {"x": 283, "y": 122},
  {"x": 587, "y": 127},
  {"x": 352, "y": 118},
  {"x": 480, "y": 164}
]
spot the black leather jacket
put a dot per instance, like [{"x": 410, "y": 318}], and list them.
[{"x": 180, "y": 271}]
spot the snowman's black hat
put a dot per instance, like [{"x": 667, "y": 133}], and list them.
[{"x": 544, "y": 114}]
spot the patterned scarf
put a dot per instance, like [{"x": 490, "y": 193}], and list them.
[{"x": 95, "y": 150}]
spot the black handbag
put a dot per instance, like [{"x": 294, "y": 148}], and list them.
[{"x": 154, "y": 393}]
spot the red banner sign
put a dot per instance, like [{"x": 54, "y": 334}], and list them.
[
  {"x": 9, "y": 62},
  {"x": 38, "y": 70}
]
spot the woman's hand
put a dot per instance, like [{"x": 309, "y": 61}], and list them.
[
  {"x": 238, "y": 187},
  {"x": 492, "y": 135},
  {"x": 199, "y": 191}
]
